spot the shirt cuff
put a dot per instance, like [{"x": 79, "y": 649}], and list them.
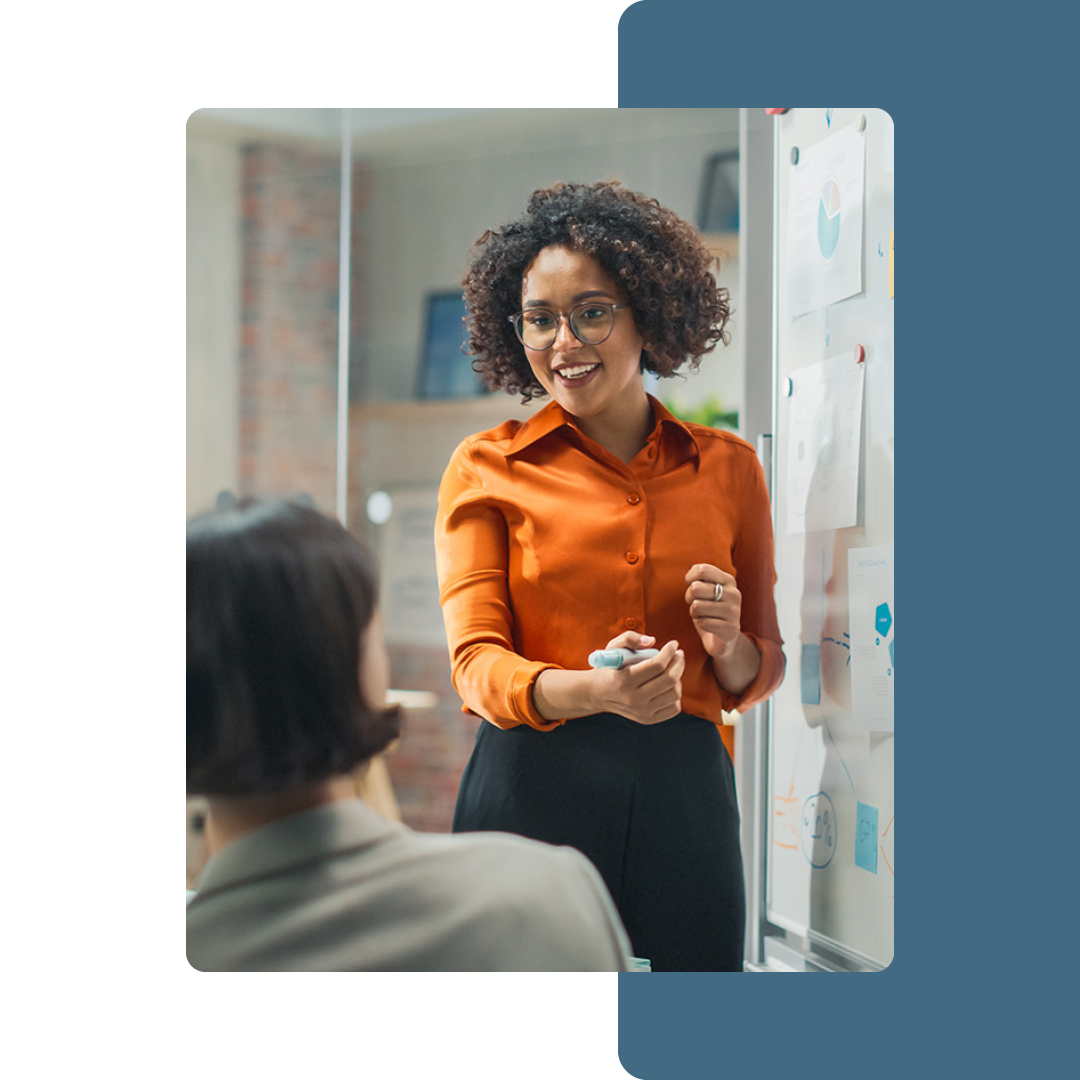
[
  {"x": 521, "y": 698},
  {"x": 769, "y": 676},
  {"x": 513, "y": 706}
]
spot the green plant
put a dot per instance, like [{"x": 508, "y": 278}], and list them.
[{"x": 709, "y": 412}]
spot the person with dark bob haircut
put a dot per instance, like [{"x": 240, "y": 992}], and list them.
[
  {"x": 279, "y": 601},
  {"x": 287, "y": 675},
  {"x": 603, "y": 522}
]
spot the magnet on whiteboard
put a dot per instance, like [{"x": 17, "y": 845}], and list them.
[
  {"x": 860, "y": 354},
  {"x": 794, "y": 155},
  {"x": 789, "y": 388},
  {"x": 775, "y": 112},
  {"x": 861, "y": 123}
]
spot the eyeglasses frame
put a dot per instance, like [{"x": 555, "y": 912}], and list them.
[{"x": 560, "y": 315}]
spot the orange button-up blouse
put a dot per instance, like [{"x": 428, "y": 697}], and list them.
[{"x": 548, "y": 546}]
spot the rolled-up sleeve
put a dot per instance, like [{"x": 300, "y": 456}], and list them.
[{"x": 493, "y": 680}]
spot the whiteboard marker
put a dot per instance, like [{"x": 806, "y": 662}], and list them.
[{"x": 617, "y": 658}]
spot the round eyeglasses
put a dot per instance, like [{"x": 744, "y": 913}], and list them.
[{"x": 590, "y": 322}]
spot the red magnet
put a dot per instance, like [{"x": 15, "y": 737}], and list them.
[
  {"x": 860, "y": 354},
  {"x": 775, "y": 112}
]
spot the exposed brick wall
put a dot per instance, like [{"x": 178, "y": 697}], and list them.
[
  {"x": 290, "y": 212},
  {"x": 288, "y": 417},
  {"x": 426, "y": 766}
]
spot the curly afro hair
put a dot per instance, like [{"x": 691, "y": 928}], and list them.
[{"x": 659, "y": 259}]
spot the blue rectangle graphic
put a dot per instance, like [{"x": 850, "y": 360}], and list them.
[
  {"x": 866, "y": 826},
  {"x": 810, "y": 671}
]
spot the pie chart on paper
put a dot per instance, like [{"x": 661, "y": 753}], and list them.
[{"x": 828, "y": 221}]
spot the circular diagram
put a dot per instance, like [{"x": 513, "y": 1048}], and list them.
[
  {"x": 817, "y": 830},
  {"x": 828, "y": 221}
]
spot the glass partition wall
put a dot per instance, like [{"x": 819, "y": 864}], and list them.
[
  {"x": 293, "y": 392},
  {"x": 269, "y": 216},
  {"x": 269, "y": 288}
]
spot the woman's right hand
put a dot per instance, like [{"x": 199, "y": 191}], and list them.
[{"x": 648, "y": 692}]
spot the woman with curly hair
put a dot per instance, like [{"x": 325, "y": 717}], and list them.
[{"x": 604, "y": 522}]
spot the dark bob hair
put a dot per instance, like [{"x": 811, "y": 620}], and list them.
[
  {"x": 657, "y": 258},
  {"x": 278, "y": 599}
]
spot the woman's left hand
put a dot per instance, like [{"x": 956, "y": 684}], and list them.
[{"x": 718, "y": 622}]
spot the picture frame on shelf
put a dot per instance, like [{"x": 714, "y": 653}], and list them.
[
  {"x": 718, "y": 203},
  {"x": 445, "y": 370}
]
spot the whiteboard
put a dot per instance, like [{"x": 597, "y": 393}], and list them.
[{"x": 830, "y": 862}]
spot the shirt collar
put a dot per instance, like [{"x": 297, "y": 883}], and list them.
[
  {"x": 552, "y": 417},
  {"x": 668, "y": 423},
  {"x": 346, "y": 824}
]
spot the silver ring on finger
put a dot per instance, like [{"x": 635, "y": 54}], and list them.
[{"x": 718, "y": 591}]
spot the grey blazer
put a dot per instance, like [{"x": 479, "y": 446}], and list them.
[{"x": 340, "y": 888}]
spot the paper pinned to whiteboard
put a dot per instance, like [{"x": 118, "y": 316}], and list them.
[
  {"x": 824, "y": 446},
  {"x": 825, "y": 216},
  {"x": 872, "y": 615}
]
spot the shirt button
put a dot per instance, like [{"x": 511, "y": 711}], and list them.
[
  {"x": 631, "y": 623},
  {"x": 631, "y": 556},
  {"x": 633, "y": 498}
]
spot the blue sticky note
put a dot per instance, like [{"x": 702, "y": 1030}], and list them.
[
  {"x": 866, "y": 837},
  {"x": 811, "y": 674}
]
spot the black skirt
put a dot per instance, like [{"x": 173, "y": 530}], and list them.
[{"x": 653, "y": 807}]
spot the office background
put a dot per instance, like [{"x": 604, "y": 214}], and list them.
[{"x": 263, "y": 219}]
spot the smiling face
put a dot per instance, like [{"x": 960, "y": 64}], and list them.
[{"x": 599, "y": 385}]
